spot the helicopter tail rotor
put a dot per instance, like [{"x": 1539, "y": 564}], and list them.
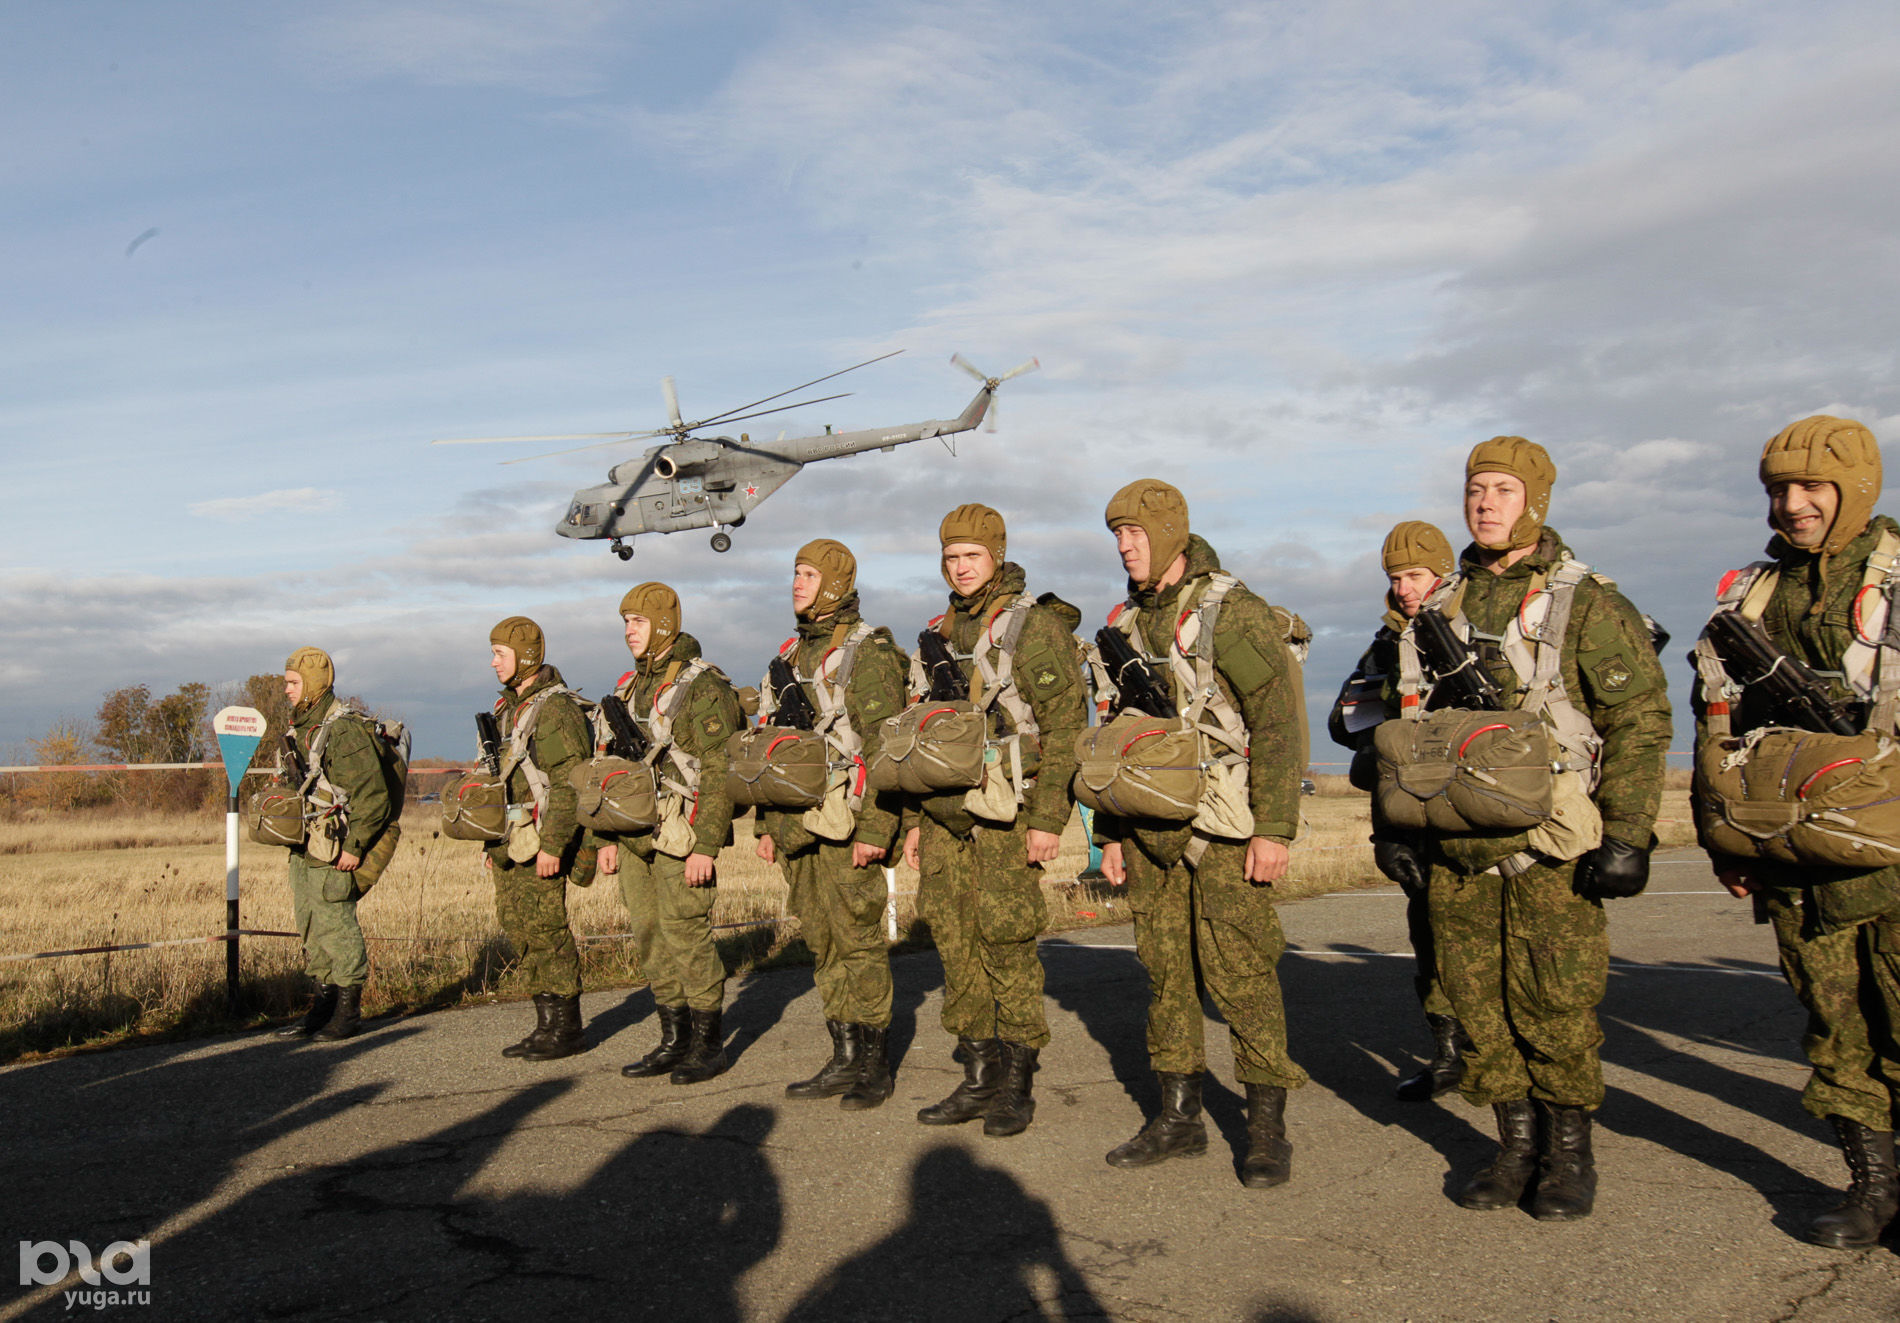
[{"x": 989, "y": 421}]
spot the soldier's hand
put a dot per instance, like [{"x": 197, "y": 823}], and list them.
[
  {"x": 608, "y": 859},
  {"x": 700, "y": 869},
  {"x": 1266, "y": 861},
  {"x": 863, "y": 856},
  {"x": 1740, "y": 885},
  {"x": 1399, "y": 862},
  {"x": 347, "y": 862},
  {"x": 1043, "y": 846},
  {"x": 1615, "y": 870},
  {"x": 910, "y": 846},
  {"x": 1112, "y": 867},
  {"x": 547, "y": 865},
  {"x": 767, "y": 851}
]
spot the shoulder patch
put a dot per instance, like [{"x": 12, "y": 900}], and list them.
[
  {"x": 712, "y": 725},
  {"x": 1612, "y": 675}
]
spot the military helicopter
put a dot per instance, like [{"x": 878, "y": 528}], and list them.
[{"x": 715, "y": 481}]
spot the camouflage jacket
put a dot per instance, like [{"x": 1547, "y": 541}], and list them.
[
  {"x": 1259, "y": 676},
  {"x": 1612, "y": 675},
  {"x": 701, "y": 726},
  {"x": 1047, "y": 672},
  {"x": 1809, "y": 616},
  {"x": 560, "y": 742},
  {"x": 875, "y": 692},
  {"x": 352, "y": 765},
  {"x": 1378, "y": 661}
]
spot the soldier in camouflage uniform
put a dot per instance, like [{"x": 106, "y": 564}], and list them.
[
  {"x": 1205, "y": 904},
  {"x": 531, "y": 892},
  {"x": 837, "y": 889},
  {"x": 324, "y": 894},
  {"x": 980, "y": 879},
  {"x": 1523, "y": 947},
  {"x": 1838, "y": 929},
  {"x": 1416, "y": 557},
  {"x": 669, "y": 896}
]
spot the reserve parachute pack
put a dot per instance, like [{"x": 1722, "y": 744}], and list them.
[
  {"x": 1796, "y": 795},
  {"x": 986, "y": 743},
  {"x": 819, "y": 770},
  {"x": 657, "y": 791},
  {"x": 476, "y": 806},
  {"x": 1189, "y": 766},
  {"x": 314, "y": 814},
  {"x": 1530, "y": 766}
]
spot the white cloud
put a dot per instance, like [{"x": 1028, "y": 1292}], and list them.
[
  {"x": 556, "y": 46},
  {"x": 291, "y": 500}
]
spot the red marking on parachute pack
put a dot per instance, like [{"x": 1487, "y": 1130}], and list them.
[{"x": 1728, "y": 582}]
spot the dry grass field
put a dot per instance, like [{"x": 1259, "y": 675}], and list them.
[{"x": 96, "y": 879}]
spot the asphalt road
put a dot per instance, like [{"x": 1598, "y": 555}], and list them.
[{"x": 412, "y": 1172}]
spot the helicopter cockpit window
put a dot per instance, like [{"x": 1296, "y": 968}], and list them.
[{"x": 584, "y": 514}]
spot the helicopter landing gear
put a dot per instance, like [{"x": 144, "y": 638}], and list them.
[
  {"x": 622, "y": 550},
  {"x": 721, "y": 542}
]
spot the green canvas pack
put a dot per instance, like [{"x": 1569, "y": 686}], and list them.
[
  {"x": 1800, "y": 797},
  {"x": 777, "y": 767},
  {"x": 930, "y": 748},
  {"x": 1138, "y": 766},
  {"x": 1458, "y": 771}
]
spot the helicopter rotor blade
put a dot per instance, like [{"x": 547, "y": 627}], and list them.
[
  {"x": 969, "y": 367},
  {"x": 989, "y": 415},
  {"x": 598, "y": 445},
  {"x": 559, "y": 436},
  {"x": 781, "y": 409},
  {"x": 726, "y": 417},
  {"x": 672, "y": 400},
  {"x": 1019, "y": 369}
]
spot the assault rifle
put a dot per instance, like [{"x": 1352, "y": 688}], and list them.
[
  {"x": 1457, "y": 678},
  {"x": 488, "y": 735},
  {"x": 294, "y": 763},
  {"x": 629, "y": 740},
  {"x": 947, "y": 682},
  {"x": 1792, "y": 692},
  {"x": 1132, "y": 677},
  {"x": 789, "y": 704}
]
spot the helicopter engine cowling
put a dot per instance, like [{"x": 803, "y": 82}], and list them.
[{"x": 686, "y": 458}]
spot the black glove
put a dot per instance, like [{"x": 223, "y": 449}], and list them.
[
  {"x": 1401, "y": 863},
  {"x": 1615, "y": 870}
]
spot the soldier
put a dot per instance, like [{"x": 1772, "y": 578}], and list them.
[
  {"x": 1838, "y": 928},
  {"x": 343, "y": 761},
  {"x": 1517, "y": 917},
  {"x": 546, "y": 737},
  {"x": 687, "y": 710},
  {"x": 980, "y": 877},
  {"x": 853, "y": 675},
  {"x": 1204, "y": 903},
  {"x": 1416, "y": 557}
]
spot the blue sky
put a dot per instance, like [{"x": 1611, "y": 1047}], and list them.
[{"x": 1294, "y": 258}]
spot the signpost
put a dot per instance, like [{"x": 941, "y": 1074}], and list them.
[{"x": 239, "y": 730}]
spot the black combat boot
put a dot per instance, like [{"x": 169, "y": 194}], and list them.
[
  {"x": 874, "y": 1081},
  {"x": 982, "y": 1060},
  {"x": 840, "y": 1073},
  {"x": 1873, "y": 1198},
  {"x": 564, "y": 1036},
  {"x": 1013, "y": 1109},
  {"x": 670, "y": 1052},
  {"x": 1177, "y": 1132},
  {"x": 1567, "y": 1181},
  {"x": 1446, "y": 1069},
  {"x": 322, "y": 1007},
  {"x": 705, "y": 1049},
  {"x": 1269, "y": 1159},
  {"x": 543, "y": 1017},
  {"x": 349, "y": 1014},
  {"x": 1503, "y": 1183}
]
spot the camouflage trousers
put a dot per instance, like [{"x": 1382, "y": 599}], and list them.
[
  {"x": 672, "y": 930},
  {"x": 1524, "y": 963},
  {"x": 1207, "y": 919},
  {"x": 1849, "y": 983},
  {"x": 839, "y": 909},
  {"x": 324, "y": 901},
  {"x": 533, "y": 915},
  {"x": 983, "y": 900},
  {"x": 1418, "y": 926}
]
